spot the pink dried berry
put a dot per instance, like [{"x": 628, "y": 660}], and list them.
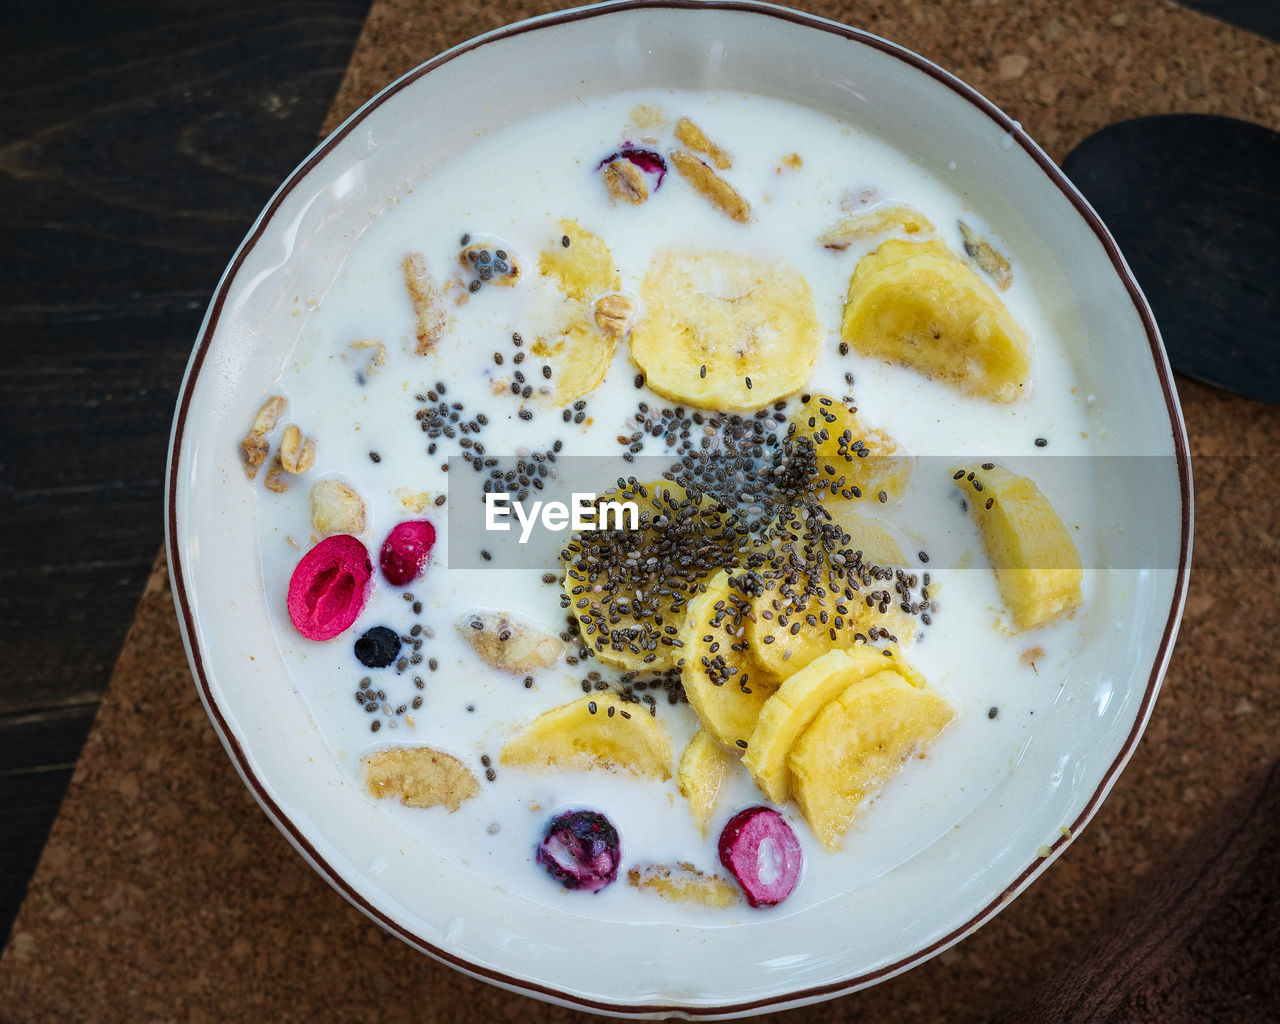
[
  {"x": 330, "y": 586},
  {"x": 763, "y": 853},
  {"x": 406, "y": 550}
]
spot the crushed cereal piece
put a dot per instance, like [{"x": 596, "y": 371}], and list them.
[
  {"x": 647, "y": 118},
  {"x": 684, "y": 883},
  {"x": 990, "y": 260},
  {"x": 428, "y": 311},
  {"x": 711, "y": 186},
  {"x": 336, "y": 508},
  {"x": 276, "y": 480},
  {"x": 255, "y": 445},
  {"x": 614, "y": 314},
  {"x": 374, "y": 351},
  {"x": 417, "y": 501},
  {"x": 696, "y": 139},
  {"x": 791, "y": 161},
  {"x": 883, "y": 219},
  {"x": 625, "y": 181},
  {"x": 297, "y": 451},
  {"x": 419, "y": 777},
  {"x": 510, "y": 643}
]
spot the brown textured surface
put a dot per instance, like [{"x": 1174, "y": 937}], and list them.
[{"x": 164, "y": 893}]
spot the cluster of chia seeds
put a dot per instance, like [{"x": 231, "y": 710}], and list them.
[
  {"x": 745, "y": 500},
  {"x": 529, "y": 471},
  {"x": 976, "y": 484},
  {"x": 380, "y": 648},
  {"x": 624, "y": 585},
  {"x": 576, "y": 413},
  {"x": 490, "y": 265},
  {"x": 642, "y": 688}
]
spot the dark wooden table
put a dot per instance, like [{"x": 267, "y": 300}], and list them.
[{"x": 138, "y": 141}]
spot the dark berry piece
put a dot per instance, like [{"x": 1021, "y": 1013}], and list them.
[
  {"x": 378, "y": 647},
  {"x": 580, "y": 850}
]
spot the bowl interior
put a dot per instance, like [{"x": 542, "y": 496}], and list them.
[{"x": 923, "y": 904}]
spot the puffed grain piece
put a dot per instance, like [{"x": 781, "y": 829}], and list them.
[{"x": 336, "y": 508}]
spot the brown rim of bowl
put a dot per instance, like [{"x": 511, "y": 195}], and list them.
[{"x": 1051, "y": 171}]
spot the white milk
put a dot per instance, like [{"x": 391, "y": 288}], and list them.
[{"x": 516, "y": 184}]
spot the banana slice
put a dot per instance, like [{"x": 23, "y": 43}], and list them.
[
  {"x": 597, "y": 731},
  {"x": 723, "y": 331},
  {"x": 876, "y": 539},
  {"x": 703, "y": 767},
  {"x": 578, "y": 352},
  {"x": 854, "y": 461},
  {"x": 797, "y": 702},
  {"x": 629, "y": 609},
  {"x": 569, "y": 338},
  {"x": 717, "y": 675},
  {"x": 789, "y": 631},
  {"x": 856, "y": 743},
  {"x": 920, "y": 305},
  {"x": 579, "y": 262},
  {"x": 1036, "y": 563}
]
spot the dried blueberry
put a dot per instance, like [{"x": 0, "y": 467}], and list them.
[
  {"x": 378, "y": 647},
  {"x": 580, "y": 850}
]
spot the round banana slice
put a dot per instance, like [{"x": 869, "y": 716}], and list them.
[
  {"x": 628, "y": 589},
  {"x": 724, "y": 331}
]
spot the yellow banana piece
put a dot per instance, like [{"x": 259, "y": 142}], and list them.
[
  {"x": 723, "y": 331},
  {"x": 1029, "y": 547},
  {"x": 918, "y": 304},
  {"x": 856, "y": 743},
  {"x": 596, "y": 731},
  {"x": 798, "y": 700},
  {"x": 703, "y": 767},
  {"x": 718, "y": 673}
]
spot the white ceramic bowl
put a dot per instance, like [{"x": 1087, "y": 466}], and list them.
[{"x": 852, "y": 940}]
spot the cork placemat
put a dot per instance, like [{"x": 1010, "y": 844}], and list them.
[{"x": 165, "y": 894}]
